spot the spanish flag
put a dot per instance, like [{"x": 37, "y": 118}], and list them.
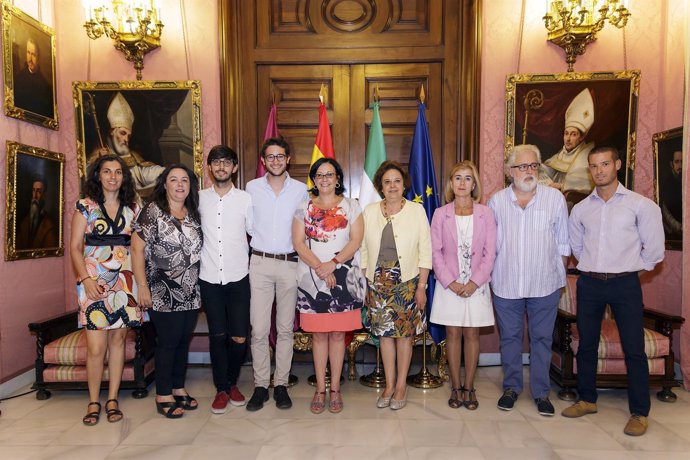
[{"x": 323, "y": 147}]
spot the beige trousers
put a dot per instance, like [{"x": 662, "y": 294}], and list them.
[{"x": 269, "y": 279}]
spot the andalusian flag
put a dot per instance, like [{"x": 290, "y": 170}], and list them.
[
  {"x": 424, "y": 191},
  {"x": 376, "y": 154},
  {"x": 323, "y": 147},
  {"x": 271, "y": 131}
]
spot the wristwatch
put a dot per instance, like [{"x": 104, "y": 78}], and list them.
[{"x": 337, "y": 264}]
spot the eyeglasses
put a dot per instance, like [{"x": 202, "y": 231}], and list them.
[
  {"x": 328, "y": 175},
  {"x": 279, "y": 157},
  {"x": 525, "y": 166},
  {"x": 217, "y": 162}
]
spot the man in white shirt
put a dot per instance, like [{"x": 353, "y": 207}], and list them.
[
  {"x": 226, "y": 219},
  {"x": 529, "y": 272},
  {"x": 273, "y": 271}
]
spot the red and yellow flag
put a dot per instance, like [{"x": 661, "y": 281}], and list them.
[{"x": 323, "y": 147}]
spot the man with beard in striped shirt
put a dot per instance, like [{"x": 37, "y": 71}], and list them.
[{"x": 531, "y": 252}]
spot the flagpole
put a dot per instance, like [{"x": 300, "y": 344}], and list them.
[{"x": 424, "y": 379}]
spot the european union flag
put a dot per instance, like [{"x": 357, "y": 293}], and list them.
[{"x": 424, "y": 191}]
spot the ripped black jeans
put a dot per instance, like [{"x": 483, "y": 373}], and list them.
[{"x": 227, "y": 312}]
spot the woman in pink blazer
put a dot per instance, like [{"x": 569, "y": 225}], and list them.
[{"x": 463, "y": 240}]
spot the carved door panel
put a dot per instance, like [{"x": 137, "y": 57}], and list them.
[
  {"x": 295, "y": 90},
  {"x": 283, "y": 50},
  {"x": 350, "y": 94},
  {"x": 399, "y": 89}
]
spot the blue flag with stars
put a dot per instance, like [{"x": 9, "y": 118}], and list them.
[{"x": 424, "y": 191}]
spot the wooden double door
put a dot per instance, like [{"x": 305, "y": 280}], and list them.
[{"x": 283, "y": 51}]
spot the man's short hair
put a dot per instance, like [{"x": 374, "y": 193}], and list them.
[
  {"x": 279, "y": 141},
  {"x": 605, "y": 148},
  {"x": 220, "y": 152},
  {"x": 510, "y": 159}
]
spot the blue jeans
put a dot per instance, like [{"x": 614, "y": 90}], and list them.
[
  {"x": 541, "y": 317},
  {"x": 624, "y": 295}
]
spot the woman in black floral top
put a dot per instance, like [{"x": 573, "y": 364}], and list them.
[{"x": 166, "y": 248}]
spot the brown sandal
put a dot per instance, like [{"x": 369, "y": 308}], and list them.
[
  {"x": 113, "y": 414},
  {"x": 456, "y": 397},
  {"x": 318, "y": 402},
  {"x": 335, "y": 405},
  {"x": 92, "y": 417},
  {"x": 471, "y": 403}
]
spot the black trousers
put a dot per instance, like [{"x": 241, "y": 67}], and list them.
[
  {"x": 227, "y": 312},
  {"x": 173, "y": 333},
  {"x": 624, "y": 295}
]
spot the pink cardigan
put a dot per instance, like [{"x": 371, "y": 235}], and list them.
[{"x": 444, "y": 244}]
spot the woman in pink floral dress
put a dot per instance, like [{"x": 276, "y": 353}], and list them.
[{"x": 327, "y": 232}]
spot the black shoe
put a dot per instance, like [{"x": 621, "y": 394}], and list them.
[
  {"x": 280, "y": 394},
  {"x": 544, "y": 406},
  {"x": 258, "y": 399},
  {"x": 507, "y": 401}
]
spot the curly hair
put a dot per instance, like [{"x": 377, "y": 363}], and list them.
[
  {"x": 384, "y": 168},
  {"x": 160, "y": 196},
  {"x": 94, "y": 190},
  {"x": 339, "y": 188},
  {"x": 279, "y": 141}
]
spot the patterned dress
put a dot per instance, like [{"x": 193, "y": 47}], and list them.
[
  {"x": 173, "y": 259},
  {"x": 108, "y": 261},
  {"x": 391, "y": 308},
  {"x": 328, "y": 232}
]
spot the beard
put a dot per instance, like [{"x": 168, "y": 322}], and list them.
[
  {"x": 222, "y": 180},
  {"x": 526, "y": 184},
  {"x": 121, "y": 149}
]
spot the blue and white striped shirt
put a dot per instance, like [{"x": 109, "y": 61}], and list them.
[{"x": 530, "y": 243}]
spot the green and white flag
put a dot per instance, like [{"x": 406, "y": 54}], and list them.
[{"x": 375, "y": 155}]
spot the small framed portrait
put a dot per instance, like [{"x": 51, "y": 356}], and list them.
[
  {"x": 28, "y": 50},
  {"x": 34, "y": 204},
  {"x": 149, "y": 124},
  {"x": 668, "y": 183},
  {"x": 566, "y": 116}
]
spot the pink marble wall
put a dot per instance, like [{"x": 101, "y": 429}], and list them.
[
  {"x": 653, "y": 41},
  {"x": 39, "y": 288}
]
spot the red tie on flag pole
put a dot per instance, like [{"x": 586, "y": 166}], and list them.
[
  {"x": 323, "y": 146},
  {"x": 271, "y": 131}
]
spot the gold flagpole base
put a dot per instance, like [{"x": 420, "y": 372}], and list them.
[
  {"x": 312, "y": 378},
  {"x": 424, "y": 379},
  {"x": 377, "y": 379}
]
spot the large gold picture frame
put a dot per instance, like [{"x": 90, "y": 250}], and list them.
[
  {"x": 163, "y": 119},
  {"x": 668, "y": 185},
  {"x": 34, "y": 206},
  {"x": 536, "y": 106},
  {"x": 28, "y": 58}
]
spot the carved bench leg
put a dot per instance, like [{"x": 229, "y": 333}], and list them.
[{"x": 567, "y": 394}]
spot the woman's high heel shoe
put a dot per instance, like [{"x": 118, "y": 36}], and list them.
[{"x": 456, "y": 397}]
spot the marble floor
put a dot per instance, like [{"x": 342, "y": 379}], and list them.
[{"x": 426, "y": 429}]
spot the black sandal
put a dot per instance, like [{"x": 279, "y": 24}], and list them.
[
  {"x": 455, "y": 400},
  {"x": 186, "y": 401},
  {"x": 472, "y": 403},
  {"x": 171, "y": 406},
  {"x": 92, "y": 418},
  {"x": 113, "y": 415}
]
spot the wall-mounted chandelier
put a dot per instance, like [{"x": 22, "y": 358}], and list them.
[{"x": 134, "y": 26}]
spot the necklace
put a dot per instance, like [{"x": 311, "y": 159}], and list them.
[
  {"x": 464, "y": 246},
  {"x": 387, "y": 214}
]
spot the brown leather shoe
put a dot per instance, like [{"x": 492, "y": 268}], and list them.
[
  {"x": 579, "y": 409},
  {"x": 636, "y": 426}
]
